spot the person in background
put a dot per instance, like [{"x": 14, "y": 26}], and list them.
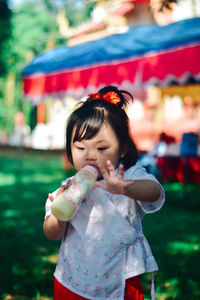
[{"x": 160, "y": 149}]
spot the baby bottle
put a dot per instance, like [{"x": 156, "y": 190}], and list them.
[{"x": 66, "y": 204}]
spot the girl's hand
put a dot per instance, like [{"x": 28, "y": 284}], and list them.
[
  {"x": 115, "y": 182},
  {"x": 63, "y": 187}
]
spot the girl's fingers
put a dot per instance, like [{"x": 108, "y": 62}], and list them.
[
  {"x": 129, "y": 182},
  {"x": 103, "y": 171},
  {"x": 50, "y": 197},
  {"x": 121, "y": 171},
  {"x": 100, "y": 184},
  {"x": 60, "y": 190},
  {"x": 110, "y": 167},
  {"x": 66, "y": 184},
  {"x": 63, "y": 187},
  {"x": 68, "y": 181}
]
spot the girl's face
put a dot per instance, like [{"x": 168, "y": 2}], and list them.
[{"x": 100, "y": 148}]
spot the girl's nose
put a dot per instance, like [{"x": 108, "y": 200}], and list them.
[{"x": 91, "y": 155}]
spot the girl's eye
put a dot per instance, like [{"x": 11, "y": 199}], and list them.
[
  {"x": 102, "y": 148},
  {"x": 80, "y": 148}
]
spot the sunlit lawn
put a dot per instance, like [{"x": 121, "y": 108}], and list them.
[{"x": 28, "y": 259}]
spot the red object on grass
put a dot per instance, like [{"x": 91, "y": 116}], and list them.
[{"x": 182, "y": 169}]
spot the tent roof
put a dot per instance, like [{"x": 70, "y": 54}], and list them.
[{"x": 148, "y": 54}]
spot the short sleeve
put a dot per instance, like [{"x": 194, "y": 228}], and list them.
[{"x": 136, "y": 173}]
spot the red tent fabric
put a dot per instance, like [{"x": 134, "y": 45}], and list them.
[{"x": 145, "y": 55}]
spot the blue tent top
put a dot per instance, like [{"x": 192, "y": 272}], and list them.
[{"x": 136, "y": 42}]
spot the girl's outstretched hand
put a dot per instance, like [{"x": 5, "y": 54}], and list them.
[
  {"x": 63, "y": 187},
  {"x": 114, "y": 182}
]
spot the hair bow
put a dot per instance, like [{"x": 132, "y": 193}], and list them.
[{"x": 111, "y": 97}]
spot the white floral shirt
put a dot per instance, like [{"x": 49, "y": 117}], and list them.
[{"x": 104, "y": 244}]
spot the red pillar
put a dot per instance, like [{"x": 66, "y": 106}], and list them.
[{"x": 41, "y": 113}]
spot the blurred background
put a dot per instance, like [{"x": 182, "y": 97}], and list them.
[{"x": 53, "y": 53}]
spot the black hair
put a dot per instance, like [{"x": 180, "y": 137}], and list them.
[{"x": 93, "y": 113}]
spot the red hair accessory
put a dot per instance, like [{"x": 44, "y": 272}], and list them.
[
  {"x": 95, "y": 96},
  {"x": 111, "y": 97}
]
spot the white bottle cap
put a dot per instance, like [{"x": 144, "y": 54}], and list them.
[{"x": 92, "y": 170}]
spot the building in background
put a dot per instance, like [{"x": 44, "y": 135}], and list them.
[
  {"x": 167, "y": 11},
  {"x": 107, "y": 18}
]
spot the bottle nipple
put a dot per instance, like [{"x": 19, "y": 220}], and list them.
[{"x": 92, "y": 170}]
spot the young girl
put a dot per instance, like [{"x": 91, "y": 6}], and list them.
[{"x": 103, "y": 249}]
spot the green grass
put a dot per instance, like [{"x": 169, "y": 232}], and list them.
[
  {"x": 173, "y": 233},
  {"x": 28, "y": 259}
]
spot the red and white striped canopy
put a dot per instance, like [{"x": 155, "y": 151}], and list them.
[{"x": 145, "y": 55}]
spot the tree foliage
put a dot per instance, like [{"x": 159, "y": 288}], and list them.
[
  {"x": 5, "y": 31},
  {"x": 30, "y": 29},
  {"x": 26, "y": 30},
  {"x": 78, "y": 11}
]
